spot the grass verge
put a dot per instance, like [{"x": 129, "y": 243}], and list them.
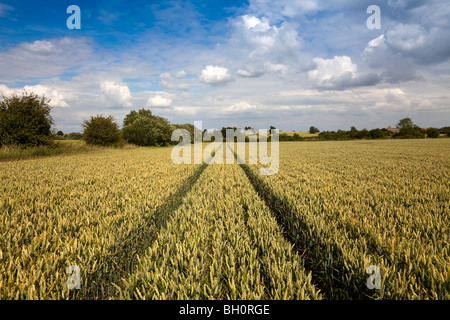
[{"x": 10, "y": 153}]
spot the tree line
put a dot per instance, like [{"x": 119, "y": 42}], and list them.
[
  {"x": 26, "y": 121},
  {"x": 405, "y": 129}
]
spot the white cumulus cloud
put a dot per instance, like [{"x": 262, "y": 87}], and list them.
[
  {"x": 215, "y": 75},
  {"x": 57, "y": 99},
  {"x": 159, "y": 101},
  {"x": 43, "y": 58},
  {"x": 339, "y": 73},
  {"x": 241, "y": 106},
  {"x": 115, "y": 94},
  {"x": 263, "y": 47}
]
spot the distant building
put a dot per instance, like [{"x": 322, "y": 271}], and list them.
[{"x": 393, "y": 130}]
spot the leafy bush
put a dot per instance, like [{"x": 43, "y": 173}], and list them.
[
  {"x": 189, "y": 127},
  {"x": 101, "y": 131},
  {"x": 73, "y": 136},
  {"x": 404, "y": 123},
  {"x": 376, "y": 133},
  {"x": 445, "y": 130},
  {"x": 144, "y": 129},
  {"x": 410, "y": 132},
  {"x": 25, "y": 121},
  {"x": 432, "y": 132},
  {"x": 313, "y": 130}
]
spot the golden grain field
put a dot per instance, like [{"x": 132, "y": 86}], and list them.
[{"x": 140, "y": 227}]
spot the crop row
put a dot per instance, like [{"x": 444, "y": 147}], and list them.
[
  {"x": 140, "y": 227},
  {"x": 96, "y": 211},
  {"x": 350, "y": 205},
  {"x": 221, "y": 243}
]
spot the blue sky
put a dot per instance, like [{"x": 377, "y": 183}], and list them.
[{"x": 288, "y": 63}]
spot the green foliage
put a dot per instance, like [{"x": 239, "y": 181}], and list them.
[
  {"x": 187, "y": 126},
  {"x": 224, "y": 131},
  {"x": 296, "y": 137},
  {"x": 313, "y": 130},
  {"x": 59, "y": 147},
  {"x": 25, "y": 120},
  {"x": 432, "y": 132},
  {"x": 286, "y": 137},
  {"x": 144, "y": 129},
  {"x": 101, "y": 131},
  {"x": 68, "y": 136},
  {"x": 410, "y": 132},
  {"x": 445, "y": 130},
  {"x": 405, "y": 122},
  {"x": 73, "y": 136},
  {"x": 353, "y": 133},
  {"x": 60, "y": 133},
  {"x": 133, "y": 115},
  {"x": 376, "y": 133}
]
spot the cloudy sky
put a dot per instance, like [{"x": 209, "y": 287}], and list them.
[{"x": 287, "y": 63}]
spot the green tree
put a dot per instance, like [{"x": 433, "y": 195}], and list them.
[
  {"x": 296, "y": 137},
  {"x": 362, "y": 134},
  {"x": 404, "y": 123},
  {"x": 376, "y": 133},
  {"x": 224, "y": 131},
  {"x": 432, "y": 132},
  {"x": 191, "y": 128},
  {"x": 102, "y": 131},
  {"x": 145, "y": 129},
  {"x": 25, "y": 120},
  {"x": 354, "y": 133},
  {"x": 60, "y": 133},
  {"x": 408, "y": 130},
  {"x": 133, "y": 115},
  {"x": 445, "y": 130},
  {"x": 313, "y": 130}
]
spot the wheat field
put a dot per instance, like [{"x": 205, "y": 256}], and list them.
[{"x": 140, "y": 227}]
